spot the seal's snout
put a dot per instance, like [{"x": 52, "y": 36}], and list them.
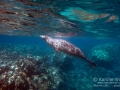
[{"x": 42, "y": 36}]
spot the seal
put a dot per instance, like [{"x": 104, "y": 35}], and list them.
[{"x": 66, "y": 47}]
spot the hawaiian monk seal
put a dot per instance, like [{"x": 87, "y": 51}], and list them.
[{"x": 66, "y": 47}]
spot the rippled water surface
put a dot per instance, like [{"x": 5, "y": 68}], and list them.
[{"x": 95, "y": 18}]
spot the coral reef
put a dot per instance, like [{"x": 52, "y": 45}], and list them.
[
  {"x": 21, "y": 68},
  {"x": 105, "y": 52},
  {"x": 101, "y": 54},
  {"x": 28, "y": 72}
]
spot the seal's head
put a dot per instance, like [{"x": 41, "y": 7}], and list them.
[{"x": 44, "y": 37}]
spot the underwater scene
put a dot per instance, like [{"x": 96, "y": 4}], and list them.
[{"x": 59, "y": 45}]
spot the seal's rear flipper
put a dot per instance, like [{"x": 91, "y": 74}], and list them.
[{"x": 91, "y": 63}]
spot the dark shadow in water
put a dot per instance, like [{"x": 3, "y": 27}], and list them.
[
  {"x": 67, "y": 65},
  {"x": 105, "y": 64}
]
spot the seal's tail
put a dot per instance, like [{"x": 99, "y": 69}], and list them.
[{"x": 91, "y": 63}]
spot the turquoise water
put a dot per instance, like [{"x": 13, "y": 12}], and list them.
[{"x": 27, "y": 62}]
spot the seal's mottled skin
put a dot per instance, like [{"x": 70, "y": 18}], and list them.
[{"x": 66, "y": 47}]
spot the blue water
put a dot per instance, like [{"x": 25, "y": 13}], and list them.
[
  {"x": 77, "y": 72},
  {"x": 91, "y": 25}
]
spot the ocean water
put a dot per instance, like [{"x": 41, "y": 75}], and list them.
[{"x": 27, "y": 62}]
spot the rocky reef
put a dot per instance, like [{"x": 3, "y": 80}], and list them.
[
  {"x": 105, "y": 52},
  {"x": 28, "y": 72}
]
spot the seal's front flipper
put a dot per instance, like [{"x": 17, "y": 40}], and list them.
[{"x": 56, "y": 50}]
